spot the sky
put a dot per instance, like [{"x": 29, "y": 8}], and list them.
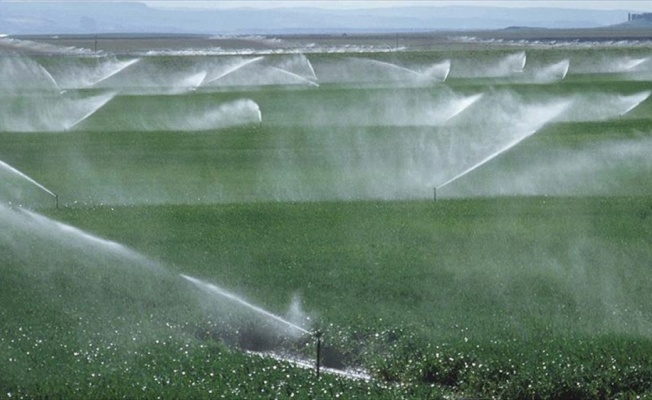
[{"x": 634, "y": 5}]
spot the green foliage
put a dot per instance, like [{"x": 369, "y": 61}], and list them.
[
  {"x": 542, "y": 329},
  {"x": 504, "y": 297}
]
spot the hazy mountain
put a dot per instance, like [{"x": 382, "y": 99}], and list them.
[{"x": 131, "y": 17}]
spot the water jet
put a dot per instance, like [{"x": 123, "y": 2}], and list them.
[
  {"x": 32, "y": 181},
  {"x": 393, "y": 67},
  {"x": 552, "y": 111},
  {"x": 297, "y": 76},
  {"x": 82, "y": 239},
  {"x": 87, "y": 106},
  {"x": 438, "y": 71},
  {"x": 49, "y": 76},
  {"x": 457, "y": 106},
  {"x": 232, "y": 69},
  {"x": 553, "y": 72},
  {"x": 213, "y": 289},
  {"x": 632, "y": 101},
  {"x": 18, "y": 73},
  {"x": 195, "y": 80},
  {"x": 369, "y": 71},
  {"x": 629, "y": 64},
  {"x": 111, "y": 69}
]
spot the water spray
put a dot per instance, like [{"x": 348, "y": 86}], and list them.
[
  {"x": 635, "y": 100},
  {"x": 217, "y": 290},
  {"x": 89, "y": 106},
  {"x": 485, "y": 160},
  {"x": 552, "y": 112},
  {"x": 296, "y": 76},
  {"x": 49, "y": 77},
  {"x": 117, "y": 68},
  {"x": 38, "y": 185},
  {"x": 233, "y": 69}
]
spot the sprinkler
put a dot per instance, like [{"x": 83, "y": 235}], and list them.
[
  {"x": 434, "y": 194},
  {"x": 318, "y": 335},
  {"x": 56, "y": 201}
]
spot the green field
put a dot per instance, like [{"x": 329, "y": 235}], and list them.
[{"x": 304, "y": 184}]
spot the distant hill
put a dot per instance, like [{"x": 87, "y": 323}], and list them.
[{"x": 131, "y": 17}]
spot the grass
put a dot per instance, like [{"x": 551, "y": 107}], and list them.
[
  {"x": 490, "y": 247},
  {"x": 484, "y": 293},
  {"x": 512, "y": 297}
]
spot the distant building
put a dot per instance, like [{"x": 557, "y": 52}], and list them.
[{"x": 639, "y": 17}]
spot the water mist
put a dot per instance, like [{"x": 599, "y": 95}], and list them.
[
  {"x": 533, "y": 119},
  {"x": 184, "y": 116},
  {"x": 14, "y": 171},
  {"x": 49, "y": 112},
  {"x": 216, "y": 290},
  {"x": 95, "y": 261},
  {"x": 370, "y": 72}
]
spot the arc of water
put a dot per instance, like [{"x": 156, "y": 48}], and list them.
[
  {"x": 121, "y": 67},
  {"x": 630, "y": 64},
  {"x": 396, "y": 67},
  {"x": 637, "y": 99},
  {"x": 101, "y": 101},
  {"x": 487, "y": 159},
  {"x": 49, "y": 76},
  {"x": 233, "y": 69},
  {"x": 433, "y": 71},
  {"x": 463, "y": 104},
  {"x": 559, "y": 110},
  {"x": 70, "y": 230},
  {"x": 563, "y": 66},
  {"x": 82, "y": 239},
  {"x": 217, "y": 290},
  {"x": 22, "y": 175},
  {"x": 259, "y": 114},
  {"x": 312, "y": 70},
  {"x": 521, "y": 58},
  {"x": 552, "y": 72},
  {"x": 195, "y": 80},
  {"x": 292, "y": 74}
]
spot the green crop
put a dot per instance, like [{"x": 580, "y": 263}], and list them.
[{"x": 525, "y": 279}]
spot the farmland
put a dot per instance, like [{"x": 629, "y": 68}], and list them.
[{"x": 467, "y": 221}]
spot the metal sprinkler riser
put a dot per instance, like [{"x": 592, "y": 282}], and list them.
[{"x": 318, "y": 335}]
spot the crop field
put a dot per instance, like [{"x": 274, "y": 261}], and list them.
[{"x": 445, "y": 223}]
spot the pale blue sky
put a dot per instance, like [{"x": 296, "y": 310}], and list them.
[{"x": 640, "y": 5}]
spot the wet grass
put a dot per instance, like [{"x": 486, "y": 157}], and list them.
[
  {"x": 518, "y": 298},
  {"x": 527, "y": 297},
  {"x": 357, "y": 247}
]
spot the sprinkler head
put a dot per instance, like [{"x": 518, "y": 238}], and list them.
[{"x": 318, "y": 334}]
